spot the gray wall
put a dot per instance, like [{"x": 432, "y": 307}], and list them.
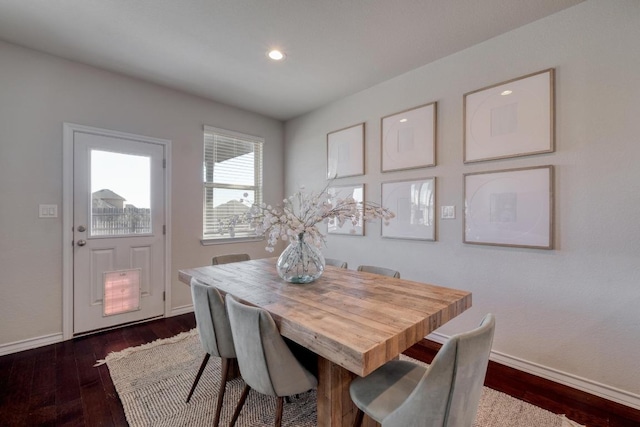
[
  {"x": 38, "y": 93},
  {"x": 570, "y": 313}
]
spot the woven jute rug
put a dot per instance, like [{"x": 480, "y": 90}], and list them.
[{"x": 153, "y": 380}]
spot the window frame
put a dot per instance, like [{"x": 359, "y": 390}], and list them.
[{"x": 257, "y": 187}]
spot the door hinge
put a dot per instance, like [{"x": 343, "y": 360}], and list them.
[
  {"x": 164, "y": 163},
  {"x": 164, "y": 229},
  {"x": 164, "y": 295}
]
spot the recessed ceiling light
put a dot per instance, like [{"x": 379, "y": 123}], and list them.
[
  {"x": 506, "y": 92},
  {"x": 403, "y": 120},
  {"x": 276, "y": 55}
]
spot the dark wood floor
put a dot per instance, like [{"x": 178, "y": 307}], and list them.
[{"x": 58, "y": 385}]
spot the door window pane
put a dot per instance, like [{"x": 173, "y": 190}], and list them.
[{"x": 120, "y": 194}]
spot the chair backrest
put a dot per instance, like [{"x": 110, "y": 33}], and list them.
[
  {"x": 449, "y": 392},
  {"x": 227, "y": 259},
  {"x": 335, "y": 262},
  {"x": 379, "y": 270},
  {"x": 212, "y": 321},
  {"x": 266, "y": 363}
]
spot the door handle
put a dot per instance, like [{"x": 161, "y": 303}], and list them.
[{"x": 81, "y": 242}]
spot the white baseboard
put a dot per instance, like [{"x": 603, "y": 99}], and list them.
[
  {"x": 28, "y": 344},
  {"x": 184, "y": 309},
  {"x": 588, "y": 386}
]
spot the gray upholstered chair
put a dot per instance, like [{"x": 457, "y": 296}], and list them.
[
  {"x": 267, "y": 365},
  {"x": 335, "y": 262},
  {"x": 227, "y": 259},
  {"x": 379, "y": 270},
  {"x": 215, "y": 335},
  {"x": 402, "y": 393}
]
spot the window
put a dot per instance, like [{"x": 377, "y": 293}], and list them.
[{"x": 232, "y": 183}]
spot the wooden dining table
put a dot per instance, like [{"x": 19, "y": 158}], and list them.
[{"x": 354, "y": 321}]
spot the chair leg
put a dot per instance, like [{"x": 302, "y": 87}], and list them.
[
  {"x": 195, "y": 382},
  {"x": 236, "y": 413},
  {"x": 357, "y": 422},
  {"x": 279, "y": 406},
  {"x": 223, "y": 386}
]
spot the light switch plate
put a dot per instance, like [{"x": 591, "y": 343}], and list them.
[
  {"x": 48, "y": 211},
  {"x": 448, "y": 212}
]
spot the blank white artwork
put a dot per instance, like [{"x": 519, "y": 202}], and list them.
[
  {"x": 345, "y": 152},
  {"x": 342, "y": 192},
  {"x": 408, "y": 139},
  {"x": 413, "y": 203},
  {"x": 405, "y": 141},
  {"x": 510, "y": 119},
  {"x": 509, "y": 208},
  {"x": 504, "y": 120}
]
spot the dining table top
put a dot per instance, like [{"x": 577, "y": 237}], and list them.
[{"x": 357, "y": 320}]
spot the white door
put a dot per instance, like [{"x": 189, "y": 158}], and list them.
[{"x": 118, "y": 230}]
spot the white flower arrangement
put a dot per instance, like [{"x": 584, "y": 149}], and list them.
[{"x": 300, "y": 214}]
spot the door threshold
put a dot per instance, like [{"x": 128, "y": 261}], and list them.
[{"x": 110, "y": 328}]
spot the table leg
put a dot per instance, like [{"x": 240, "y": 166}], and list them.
[
  {"x": 335, "y": 407},
  {"x": 234, "y": 369}
]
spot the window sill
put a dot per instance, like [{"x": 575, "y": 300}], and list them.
[{"x": 226, "y": 240}]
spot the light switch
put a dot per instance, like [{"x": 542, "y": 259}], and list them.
[
  {"x": 448, "y": 212},
  {"x": 48, "y": 211}
]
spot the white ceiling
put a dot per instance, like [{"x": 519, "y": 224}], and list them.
[{"x": 217, "y": 48}]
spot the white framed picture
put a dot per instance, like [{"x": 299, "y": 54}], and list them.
[
  {"x": 408, "y": 139},
  {"x": 510, "y": 119},
  {"x": 512, "y": 207},
  {"x": 335, "y": 193},
  {"x": 413, "y": 203},
  {"x": 345, "y": 152}
]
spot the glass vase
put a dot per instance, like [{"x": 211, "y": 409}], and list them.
[{"x": 300, "y": 262}]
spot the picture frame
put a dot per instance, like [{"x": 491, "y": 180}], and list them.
[
  {"x": 414, "y": 203},
  {"x": 345, "y": 152},
  {"x": 342, "y": 191},
  {"x": 511, "y": 207},
  {"x": 510, "y": 119},
  {"x": 408, "y": 138}
]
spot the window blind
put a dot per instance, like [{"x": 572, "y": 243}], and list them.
[{"x": 232, "y": 175}]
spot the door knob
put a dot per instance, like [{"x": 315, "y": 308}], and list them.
[
  {"x": 81, "y": 228},
  {"x": 81, "y": 242}
]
